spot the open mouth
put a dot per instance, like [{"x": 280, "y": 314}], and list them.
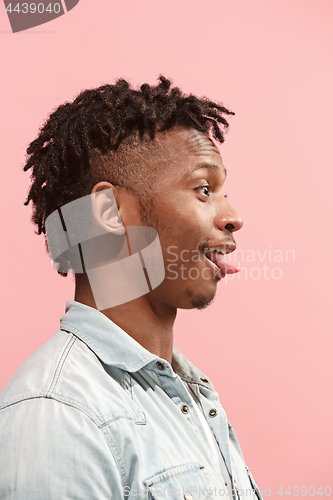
[{"x": 216, "y": 255}]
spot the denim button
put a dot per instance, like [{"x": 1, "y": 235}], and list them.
[
  {"x": 185, "y": 409},
  {"x": 212, "y": 412},
  {"x": 160, "y": 365}
]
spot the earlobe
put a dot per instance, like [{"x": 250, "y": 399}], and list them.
[{"x": 105, "y": 210}]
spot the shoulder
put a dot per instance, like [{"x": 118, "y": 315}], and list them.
[
  {"x": 33, "y": 378},
  {"x": 67, "y": 371},
  {"x": 51, "y": 419}
]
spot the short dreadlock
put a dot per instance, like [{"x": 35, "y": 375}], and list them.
[{"x": 80, "y": 141}]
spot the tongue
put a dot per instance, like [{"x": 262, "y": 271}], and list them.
[{"x": 225, "y": 266}]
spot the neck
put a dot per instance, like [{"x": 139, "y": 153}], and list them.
[{"x": 146, "y": 320}]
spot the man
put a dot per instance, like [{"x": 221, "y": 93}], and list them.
[{"x": 107, "y": 408}]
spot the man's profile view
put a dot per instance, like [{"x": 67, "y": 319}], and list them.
[{"x": 108, "y": 408}]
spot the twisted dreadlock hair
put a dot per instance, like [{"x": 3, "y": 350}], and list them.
[{"x": 92, "y": 138}]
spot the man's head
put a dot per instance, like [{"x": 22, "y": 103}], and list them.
[
  {"x": 194, "y": 220},
  {"x": 143, "y": 143}
]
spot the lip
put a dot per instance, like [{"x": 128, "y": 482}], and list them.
[
  {"x": 228, "y": 247},
  {"x": 218, "y": 273},
  {"x": 225, "y": 248}
]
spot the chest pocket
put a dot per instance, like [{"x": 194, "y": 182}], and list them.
[{"x": 187, "y": 482}]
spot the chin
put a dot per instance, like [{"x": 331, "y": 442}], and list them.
[{"x": 199, "y": 300}]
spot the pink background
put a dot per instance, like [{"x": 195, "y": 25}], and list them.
[{"x": 265, "y": 343}]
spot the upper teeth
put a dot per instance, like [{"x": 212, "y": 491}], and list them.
[{"x": 216, "y": 249}]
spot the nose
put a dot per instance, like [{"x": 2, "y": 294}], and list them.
[{"x": 228, "y": 218}]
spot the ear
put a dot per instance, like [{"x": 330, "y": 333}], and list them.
[{"x": 104, "y": 208}]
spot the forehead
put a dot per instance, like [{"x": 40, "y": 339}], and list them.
[
  {"x": 189, "y": 141},
  {"x": 186, "y": 148}
]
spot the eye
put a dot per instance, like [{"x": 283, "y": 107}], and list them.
[{"x": 205, "y": 189}]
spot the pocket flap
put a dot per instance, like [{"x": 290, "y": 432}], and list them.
[{"x": 187, "y": 481}]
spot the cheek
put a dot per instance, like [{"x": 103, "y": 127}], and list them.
[
  {"x": 184, "y": 218},
  {"x": 183, "y": 242}
]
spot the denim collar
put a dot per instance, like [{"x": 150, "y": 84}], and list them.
[{"x": 116, "y": 348}]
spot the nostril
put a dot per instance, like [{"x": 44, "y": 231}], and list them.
[{"x": 229, "y": 227}]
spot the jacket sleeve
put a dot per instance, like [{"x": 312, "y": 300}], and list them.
[{"x": 52, "y": 451}]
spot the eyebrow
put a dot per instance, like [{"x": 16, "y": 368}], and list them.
[{"x": 210, "y": 166}]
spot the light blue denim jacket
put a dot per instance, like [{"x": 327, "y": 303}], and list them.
[{"x": 93, "y": 415}]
